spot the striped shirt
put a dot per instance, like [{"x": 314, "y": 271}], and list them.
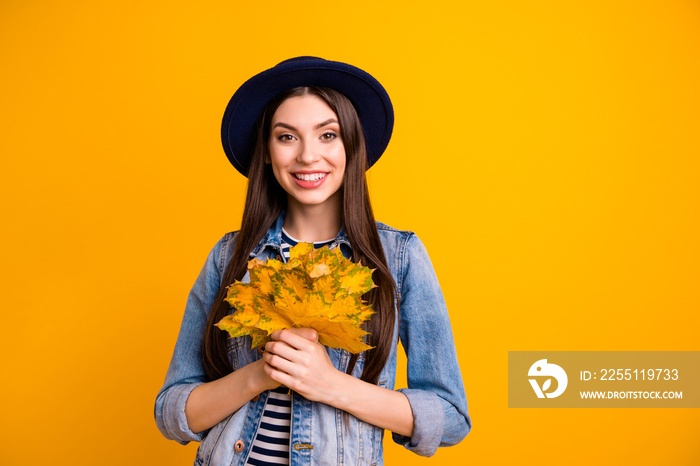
[{"x": 271, "y": 444}]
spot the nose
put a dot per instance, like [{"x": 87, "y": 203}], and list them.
[{"x": 308, "y": 153}]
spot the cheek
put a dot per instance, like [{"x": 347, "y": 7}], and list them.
[
  {"x": 276, "y": 158},
  {"x": 278, "y": 174},
  {"x": 339, "y": 159}
]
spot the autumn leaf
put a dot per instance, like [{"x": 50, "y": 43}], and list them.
[
  {"x": 301, "y": 249},
  {"x": 358, "y": 280},
  {"x": 345, "y": 334},
  {"x": 327, "y": 285},
  {"x": 240, "y": 295},
  {"x": 350, "y": 307},
  {"x": 316, "y": 288},
  {"x": 261, "y": 278},
  {"x": 319, "y": 270},
  {"x": 259, "y": 337},
  {"x": 295, "y": 281}
]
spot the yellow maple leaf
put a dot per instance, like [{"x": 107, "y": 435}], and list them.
[
  {"x": 259, "y": 337},
  {"x": 255, "y": 262},
  {"x": 341, "y": 334},
  {"x": 273, "y": 317},
  {"x": 295, "y": 281},
  {"x": 241, "y": 294},
  {"x": 350, "y": 307},
  {"x": 319, "y": 270},
  {"x": 357, "y": 280},
  {"x": 316, "y": 288},
  {"x": 300, "y": 249},
  {"x": 327, "y": 286},
  {"x": 261, "y": 278},
  {"x": 234, "y": 328}
]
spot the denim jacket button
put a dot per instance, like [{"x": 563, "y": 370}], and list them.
[
  {"x": 261, "y": 349},
  {"x": 238, "y": 446}
]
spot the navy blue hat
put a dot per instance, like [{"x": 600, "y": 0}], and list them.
[{"x": 371, "y": 101}]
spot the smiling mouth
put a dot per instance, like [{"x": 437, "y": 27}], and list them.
[{"x": 309, "y": 176}]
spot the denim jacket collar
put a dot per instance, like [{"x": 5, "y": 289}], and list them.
[{"x": 273, "y": 238}]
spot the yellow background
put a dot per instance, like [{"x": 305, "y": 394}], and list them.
[{"x": 546, "y": 153}]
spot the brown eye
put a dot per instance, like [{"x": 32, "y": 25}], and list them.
[
  {"x": 329, "y": 136},
  {"x": 285, "y": 137}
]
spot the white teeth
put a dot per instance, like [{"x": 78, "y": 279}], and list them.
[{"x": 310, "y": 176}]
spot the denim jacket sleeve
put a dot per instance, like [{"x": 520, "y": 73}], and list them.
[
  {"x": 435, "y": 388},
  {"x": 186, "y": 370}
]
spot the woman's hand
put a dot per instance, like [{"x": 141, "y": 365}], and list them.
[
  {"x": 263, "y": 369},
  {"x": 211, "y": 402},
  {"x": 297, "y": 360}
]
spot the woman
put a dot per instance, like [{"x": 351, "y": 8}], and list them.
[{"x": 304, "y": 132}]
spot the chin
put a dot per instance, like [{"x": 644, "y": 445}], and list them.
[{"x": 316, "y": 200}]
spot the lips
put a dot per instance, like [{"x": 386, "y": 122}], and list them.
[{"x": 309, "y": 180}]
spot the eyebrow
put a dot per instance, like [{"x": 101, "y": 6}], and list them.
[{"x": 318, "y": 126}]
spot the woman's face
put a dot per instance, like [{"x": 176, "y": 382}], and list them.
[{"x": 307, "y": 152}]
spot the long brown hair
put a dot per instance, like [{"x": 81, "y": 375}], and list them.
[{"x": 265, "y": 200}]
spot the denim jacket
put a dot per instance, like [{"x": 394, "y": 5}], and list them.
[{"x": 321, "y": 434}]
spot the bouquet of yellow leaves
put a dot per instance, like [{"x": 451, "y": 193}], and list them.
[{"x": 317, "y": 288}]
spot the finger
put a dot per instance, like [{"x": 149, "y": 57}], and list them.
[
  {"x": 275, "y": 374},
  {"x": 292, "y": 338},
  {"x": 291, "y": 360},
  {"x": 303, "y": 356},
  {"x": 280, "y": 348},
  {"x": 268, "y": 370},
  {"x": 308, "y": 333},
  {"x": 279, "y": 363},
  {"x": 282, "y": 377}
]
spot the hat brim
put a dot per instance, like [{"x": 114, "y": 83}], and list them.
[{"x": 371, "y": 101}]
